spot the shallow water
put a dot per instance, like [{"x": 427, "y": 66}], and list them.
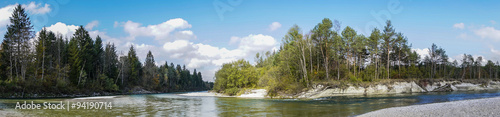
[{"x": 177, "y": 105}]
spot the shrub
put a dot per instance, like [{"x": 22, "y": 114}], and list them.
[{"x": 231, "y": 91}]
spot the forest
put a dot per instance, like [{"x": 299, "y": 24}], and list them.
[
  {"x": 329, "y": 54},
  {"x": 51, "y": 64}
]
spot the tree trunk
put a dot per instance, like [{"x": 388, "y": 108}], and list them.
[{"x": 388, "y": 52}]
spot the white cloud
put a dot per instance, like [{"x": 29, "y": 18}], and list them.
[
  {"x": 35, "y": 8},
  {"x": 459, "y": 25},
  {"x": 198, "y": 55},
  {"x": 159, "y": 31},
  {"x": 5, "y": 14},
  {"x": 184, "y": 35},
  {"x": 422, "y": 52},
  {"x": 106, "y": 38},
  {"x": 68, "y": 31},
  {"x": 197, "y": 63},
  {"x": 274, "y": 26},
  {"x": 493, "y": 22},
  {"x": 488, "y": 32},
  {"x": 91, "y": 25},
  {"x": 460, "y": 57},
  {"x": 177, "y": 45},
  {"x": 62, "y": 28},
  {"x": 257, "y": 43}
]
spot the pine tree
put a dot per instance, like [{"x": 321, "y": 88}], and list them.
[
  {"x": 110, "y": 62},
  {"x": 135, "y": 67},
  {"x": 16, "y": 43},
  {"x": 388, "y": 37},
  {"x": 149, "y": 70},
  {"x": 98, "y": 55}
]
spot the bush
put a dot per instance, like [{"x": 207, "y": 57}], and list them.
[
  {"x": 108, "y": 83},
  {"x": 232, "y": 91},
  {"x": 353, "y": 78}
]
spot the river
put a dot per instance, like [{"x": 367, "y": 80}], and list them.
[{"x": 207, "y": 106}]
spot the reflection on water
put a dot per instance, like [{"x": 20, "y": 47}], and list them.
[{"x": 176, "y": 105}]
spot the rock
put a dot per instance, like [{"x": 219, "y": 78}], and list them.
[
  {"x": 444, "y": 88},
  {"x": 377, "y": 89},
  {"x": 406, "y": 87},
  {"x": 467, "y": 87},
  {"x": 319, "y": 91}
]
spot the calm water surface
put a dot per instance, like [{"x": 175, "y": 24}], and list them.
[{"x": 176, "y": 105}]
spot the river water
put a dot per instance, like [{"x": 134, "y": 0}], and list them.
[{"x": 178, "y": 105}]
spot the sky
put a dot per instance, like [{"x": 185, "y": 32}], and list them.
[{"x": 205, "y": 34}]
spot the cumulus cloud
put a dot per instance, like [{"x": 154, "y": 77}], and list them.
[
  {"x": 105, "y": 37},
  {"x": 493, "y": 22},
  {"x": 422, "y": 52},
  {"x": 198, "y": 55},
  {"x": 488, "y": 32},
  {"x": 91, "y": 25},
  {"x": 35, "y": 8},
  {"x": 6, "y": 13},
  {"x": 459, "y": 25},
  {"x": 159, "y": 31},
  {"x": 274, "y": 26},
  {"x": 68, "y": 30},
  {"x": 177, "y": 45},
  {"x": 62, "y": 28}
]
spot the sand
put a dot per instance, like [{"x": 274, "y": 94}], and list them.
[{"x": 488, "y": 107}]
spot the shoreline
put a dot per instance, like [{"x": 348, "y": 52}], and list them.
[
  {"x": 94, "y": 94},
  {"x": 252, "y": 93},
  {"x": 473, "y": 107}
]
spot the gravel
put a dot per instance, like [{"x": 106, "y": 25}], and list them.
[{"x": 488, "y": 107}]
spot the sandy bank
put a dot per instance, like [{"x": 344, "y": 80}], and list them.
[
  {"x": 255, "y": 93},
  {"x": 202, "y": 93},
  {"x": 487, "y": 107}
]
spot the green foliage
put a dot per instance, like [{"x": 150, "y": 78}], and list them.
[
  {"x": 108, "y": 83},
  {"x": 303, "y": 60},
  {"x": 237, "y": 74}
]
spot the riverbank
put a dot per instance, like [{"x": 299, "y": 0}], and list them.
[
  {"x": 468, "y": 108},
  {"x": 392, "y": 86},
  {"x": 134, "y": 91},
  {"x": 395, "y": 87}
]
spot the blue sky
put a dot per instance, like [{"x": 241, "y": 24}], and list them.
[{"x": 205, "y": 34}]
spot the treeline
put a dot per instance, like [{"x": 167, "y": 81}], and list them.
[
  {"x": 53, "y": 64},
  {"x": 329, "y": 54}
]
